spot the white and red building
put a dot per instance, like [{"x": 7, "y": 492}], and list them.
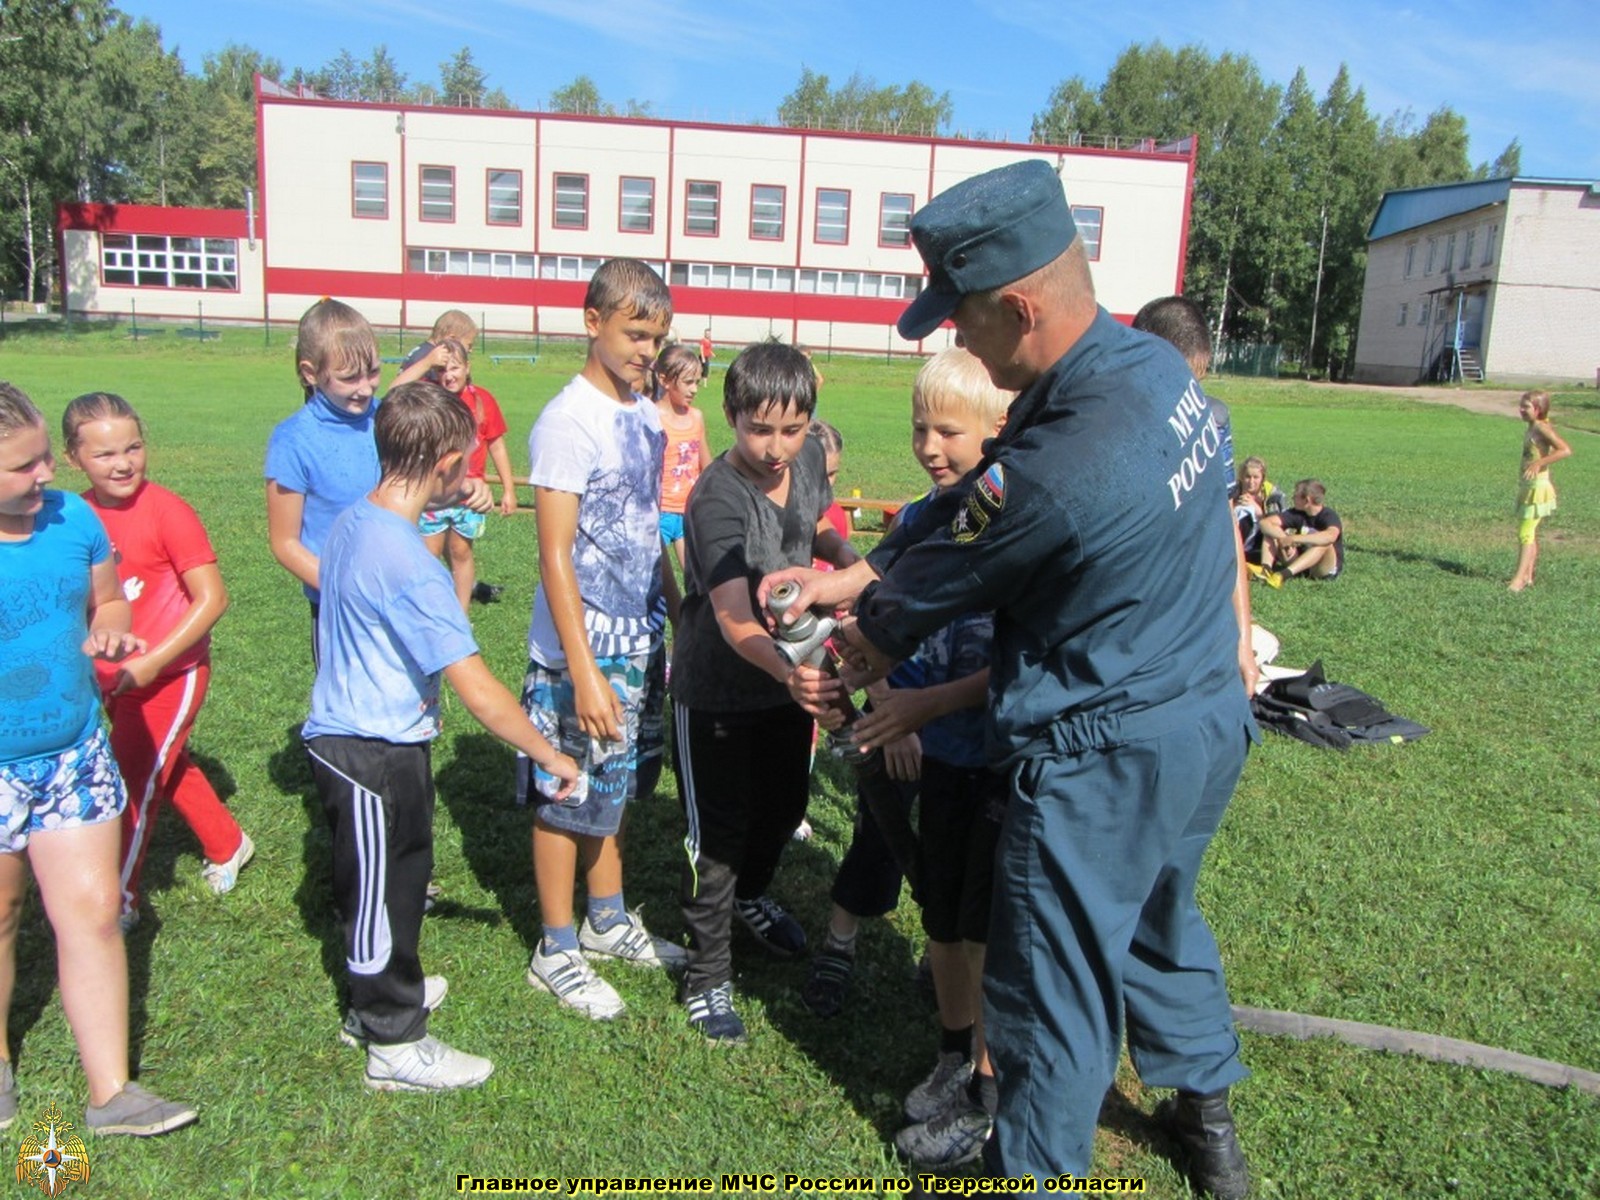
[{"x": 406, "y": 211}]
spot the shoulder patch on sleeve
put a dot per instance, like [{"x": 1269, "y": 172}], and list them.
[{"x": 983, "y": 504}]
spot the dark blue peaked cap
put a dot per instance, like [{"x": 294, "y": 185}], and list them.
[{"x": 985, "y": 232}]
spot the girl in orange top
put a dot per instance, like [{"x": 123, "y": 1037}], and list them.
[{"x": 678, "y": 376}]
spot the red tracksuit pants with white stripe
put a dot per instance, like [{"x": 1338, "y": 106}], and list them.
[
  {"x": 378, "y": 798},
  {"x": 150, "y": 737}
]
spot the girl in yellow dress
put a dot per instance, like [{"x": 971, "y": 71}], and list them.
[{"x": 1537, "y": 500}]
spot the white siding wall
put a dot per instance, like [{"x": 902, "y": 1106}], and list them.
[{"x": 1547, "y": 313}]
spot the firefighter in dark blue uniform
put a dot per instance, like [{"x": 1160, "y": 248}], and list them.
[{"x": 1097, "y": 529}]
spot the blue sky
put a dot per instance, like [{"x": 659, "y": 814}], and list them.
[{"x": 1525, "y": 70}]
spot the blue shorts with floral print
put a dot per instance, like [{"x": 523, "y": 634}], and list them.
[{"x": 77, "y": 786}]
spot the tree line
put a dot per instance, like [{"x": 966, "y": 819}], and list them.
[{"x": 94, "y": 107}]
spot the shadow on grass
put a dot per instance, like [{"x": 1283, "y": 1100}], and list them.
[
  {"x": 289, "y": 768},
  {"x": 1450, "y": 566}
]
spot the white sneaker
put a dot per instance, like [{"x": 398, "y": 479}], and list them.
[
  {"x": 434, "y": 990},
  {"x": 936, "y": 1092},
  {"x": 567, "y": 976},
  {"x": 631, "y": 942},
  {"x": 220, "y": 877},
  {"x": 425, "y": 1065}
]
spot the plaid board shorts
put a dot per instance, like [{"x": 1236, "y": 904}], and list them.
[
  {"x": 462, "y": 519},
  {"x": 80, "y": 785},
  {"x": 610, "y": 770}
]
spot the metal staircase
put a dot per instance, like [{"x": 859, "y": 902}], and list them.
[{"x": 1471, "y": 365}]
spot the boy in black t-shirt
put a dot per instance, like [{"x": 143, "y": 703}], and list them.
[
  {"x": 743, "y": 745},
  {"x": 1308, "y": 539}
]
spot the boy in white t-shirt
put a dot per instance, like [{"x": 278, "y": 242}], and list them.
[{"x": 595, "y": 458}]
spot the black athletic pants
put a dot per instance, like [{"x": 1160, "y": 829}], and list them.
[
  {"x": 378, "y": 798},
  {"x": 744, "y": 778}
]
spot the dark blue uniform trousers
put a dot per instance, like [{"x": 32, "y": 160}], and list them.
[{"x": 1094, "y": 917}]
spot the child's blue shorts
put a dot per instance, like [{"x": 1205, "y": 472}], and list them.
[
  {"x": 80, "y": 785},
  {"x": 610, "y": 770},
  {"x": 671, "y": 527},
  {"x": 463, "y": 520}
]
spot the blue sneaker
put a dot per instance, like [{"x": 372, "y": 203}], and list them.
[
  {"x": 711, "y": 1013},
  {"x": 772, "y": 926}
]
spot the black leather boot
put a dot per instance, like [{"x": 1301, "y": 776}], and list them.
[{"x": 1203, "y": 1125}]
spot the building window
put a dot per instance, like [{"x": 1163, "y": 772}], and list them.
[
  {"x": 1411, "y": 262},
  {"x": 438, "y": 193},
  {"x": 894, "y": 219},
  {"x": 766, "y": 212},
  {"x": 571, "y": 202},
  {"x": 1089, "y": 221},
  {"x": 638, "y": 205},
  {"x": 1404, "y": 308},
  {"x": 1424, "y": 310},
  {"x": 151, "y": 260},
  {"x": 505, "y": 197},
  {"x": 833, "y": 216},
  {"x": 1488, "y": 244},
  {"x": 1466, "y": 248},
  {"x": 369, "y": 190},
  {"x": 1449, "y": 253},
  {"x": 1433, "y": 256},
  {"x": 702, "y": 214}
]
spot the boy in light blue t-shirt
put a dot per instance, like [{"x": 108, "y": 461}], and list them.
[{"x": 389, "y": 626}]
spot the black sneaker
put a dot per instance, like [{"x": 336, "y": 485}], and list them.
[
  {"x": 825, "y": 988},
  {"x": 486, "y": 593},
  {"x": 772, "y": 925}
]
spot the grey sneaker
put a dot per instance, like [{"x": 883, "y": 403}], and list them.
[
  {"x": 220, "y": 877},
  {"x": 631, "y": 942},
  {"x": 953, "y": 1137},
  {"x": 567, "y": 976},
  {"x": 938, "y": 1091},
  {"x": 434, "y": 990},
  {"x": 139, "y": 1113},
  {"x": 8, "y": 1094},
  {"x": 425, "y": 1065}
]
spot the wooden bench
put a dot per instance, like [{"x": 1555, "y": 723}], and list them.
[
  {"x": 138, "y": 335},
  {"x": 497, "y": 359},
  {"x": 392, "y": 360},
  {"x": 199, "y": 335}
]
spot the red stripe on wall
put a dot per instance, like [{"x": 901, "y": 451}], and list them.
[
  {"x": 470, "y": 290},
  {"x": 150, "y": 218}
]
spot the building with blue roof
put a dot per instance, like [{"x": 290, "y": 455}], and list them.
[{"x": 1489, "y": 278}]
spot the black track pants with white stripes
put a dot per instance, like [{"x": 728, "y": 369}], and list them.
[{"x": 378, "y": 798}]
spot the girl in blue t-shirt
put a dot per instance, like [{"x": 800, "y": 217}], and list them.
[{"x": 61, "y": 795}]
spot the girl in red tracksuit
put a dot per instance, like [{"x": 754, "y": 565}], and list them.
[{"x": 169, "y": 574}]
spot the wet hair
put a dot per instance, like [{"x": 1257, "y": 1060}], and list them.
[
  {"x": 672, "y": 362},
  {"x": 769, "y": 373},
  {"x": 957, "y": 381},
  {"x": 1539, "y": 402},
  {"x": 417, "y": 425},
  {"x": 332, "y": 336},
  {"x": 453, "y": 323},
  {"x": 1178, "y": 319},
  {"x": 94, "y": 406},
  {"x": 626, "y": 285},
  {"x": 1310, "y": 489},
  {"x": 17, "y": 412},
  {"x": 832, "y": 440}
]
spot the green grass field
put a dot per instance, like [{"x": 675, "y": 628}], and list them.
[{"x": 1446, "y": 886}]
